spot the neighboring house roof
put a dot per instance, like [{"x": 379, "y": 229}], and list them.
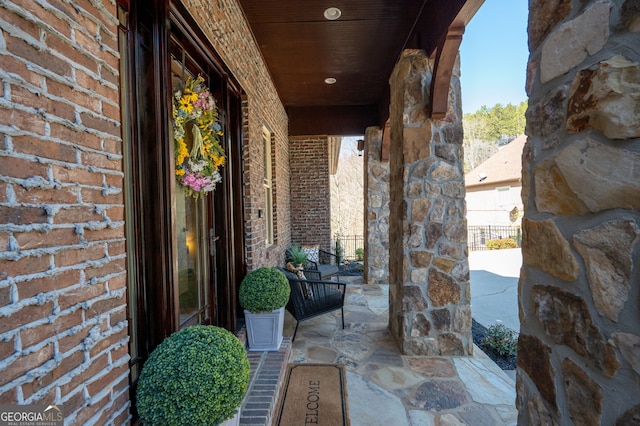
[{"x": 503, "y": 166}]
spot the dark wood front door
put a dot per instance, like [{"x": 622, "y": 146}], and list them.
[{"x": 185, "y": 256}]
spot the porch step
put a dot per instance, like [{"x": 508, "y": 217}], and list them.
[{"x": 267, "y": 374}]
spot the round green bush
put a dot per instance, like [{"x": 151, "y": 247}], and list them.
[
  {"x": 503, "y": 243},
  {"x": 264, "y": 290},
  {"x": 196, "y": 376}
]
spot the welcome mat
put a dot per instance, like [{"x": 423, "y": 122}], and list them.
[{"x": 313, "y": 394}]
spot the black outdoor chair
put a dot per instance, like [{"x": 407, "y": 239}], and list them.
[
  {"x": 326, "y": 266},
  {"x": 313, "y": 297}
]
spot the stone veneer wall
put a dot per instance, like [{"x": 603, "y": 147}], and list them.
[
  {"x": 310, "y": 191},
  {"x": 376, "y": 209},
  {"x": 429, "y": 312},
  {"x": 579, "y": 347}
]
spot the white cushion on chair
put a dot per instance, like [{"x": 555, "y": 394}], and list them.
[{"x": 312, "y": 252}]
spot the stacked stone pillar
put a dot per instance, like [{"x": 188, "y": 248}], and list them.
[
  {"x": 376, "y": 208},
  {"x": 429, "y": 312},
  {"x": 579, "y": 346}
]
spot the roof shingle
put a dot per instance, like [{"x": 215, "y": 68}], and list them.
[{"x": 503, "y": 166}]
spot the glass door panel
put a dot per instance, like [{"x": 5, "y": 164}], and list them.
[
  {"x": 192, "y": 227},
  {"x": 192, "y": 270}
]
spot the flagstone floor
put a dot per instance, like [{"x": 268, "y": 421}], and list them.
[{"x": 389, "y": 389}]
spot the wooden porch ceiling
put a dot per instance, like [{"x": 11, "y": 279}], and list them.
[{"x": 359, "y": 49}]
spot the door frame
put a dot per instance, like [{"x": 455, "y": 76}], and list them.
[
  {"x": 150, "y": 183},
  {"x": 228, "y": 197}
]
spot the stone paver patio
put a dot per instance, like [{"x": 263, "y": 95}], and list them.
[{"x": 386, "y": 388}]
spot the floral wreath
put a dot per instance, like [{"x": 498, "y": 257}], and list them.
[{"x": 194, "y": 111}]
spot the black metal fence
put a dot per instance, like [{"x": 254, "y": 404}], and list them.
[
  {"x": 350, "y": 245},
  {"x": 479, "y": 235}
]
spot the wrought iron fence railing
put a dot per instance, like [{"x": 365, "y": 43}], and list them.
[
  {"x": 352, "y": 246},
  {"x": 479, "y": 235}
]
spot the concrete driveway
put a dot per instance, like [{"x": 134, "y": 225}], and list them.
[{"x": 494, "y": 286}]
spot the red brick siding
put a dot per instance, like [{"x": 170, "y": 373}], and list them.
[
  {"x": 62, "y": 258},
  {"x": 310, "y": 191},
  {"x": 225, "y": 26},
  {"x": 63, "y": 326}
]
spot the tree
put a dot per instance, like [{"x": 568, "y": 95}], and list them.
[
  {"x": 347, "y": 195},
  {"x": 476, "y": 150},
  {"x": 487, "y": 127}
]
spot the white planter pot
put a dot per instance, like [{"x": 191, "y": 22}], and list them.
[
  {"x": 233, "y": 421},
  {"x": 264, "y": 330}
]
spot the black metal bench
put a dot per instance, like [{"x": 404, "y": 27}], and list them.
[{"x": 311, "y": 298}]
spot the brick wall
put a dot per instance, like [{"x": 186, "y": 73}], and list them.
[
  {"x": 310, "y": 191},
  {"x": 63, "y": 328},
  {"x": 224, "y": 24}
]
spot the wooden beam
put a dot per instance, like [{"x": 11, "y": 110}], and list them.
[
  {"x": 337, "y": 120},
  {"x": 467, "y": 12},
  {"x": 432, "y": 24},
  {"x": 446, "y": 54},
  {"x": 386, "y": 142},
  {"x": 443, "y": 68},
  {"x": 334, "y": 153}
]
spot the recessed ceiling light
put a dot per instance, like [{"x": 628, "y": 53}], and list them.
[
  {"x": 332, "y": 13},
  {"x": 330, "y": 80}
]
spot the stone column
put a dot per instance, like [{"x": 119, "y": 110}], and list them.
[
  {"x": 579, "y": 346},
  {"x": 429, "y": 312},
  {"x": 376, "y": 209}
]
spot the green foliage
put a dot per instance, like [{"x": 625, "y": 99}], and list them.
[
  {"x": 339, "y": 251},
  {"x": 502, "y": 243},
  {"x": 484, "y": 128},
  {"x": 196, "y": 376},
  {"x": 264, "y": 290},
  {"x": 499, "y": 120},
  {"x": 501, "y": 339},
  {"x": 359, "y": 253},
  {"x": 296, "y": 255}
]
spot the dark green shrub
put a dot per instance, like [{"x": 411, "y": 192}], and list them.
[
  {"x": 264, "y": 290},
  {"x": 501, "y": 339},
  {"x": 359, "y": 254},
  {"x": 339, "y": 251},
  {"x": 196, "y": 376},
  {"x": 502, "y": 243}
]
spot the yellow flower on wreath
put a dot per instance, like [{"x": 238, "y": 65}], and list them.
[
  {"x": 218, "y": 161},
  {"x": 195, "y": 113},
  {"x": 181, "y": 151}
]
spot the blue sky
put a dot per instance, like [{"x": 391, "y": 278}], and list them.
[{"x": 494, "y": 55}]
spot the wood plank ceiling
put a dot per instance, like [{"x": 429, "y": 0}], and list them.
[{"x": 359, "y": 50}]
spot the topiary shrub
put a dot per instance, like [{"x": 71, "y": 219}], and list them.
[
  {"x": 196, "y": 376},
  {"x": 502, "y": 243},
  {"x": 264, "y": 290}
]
